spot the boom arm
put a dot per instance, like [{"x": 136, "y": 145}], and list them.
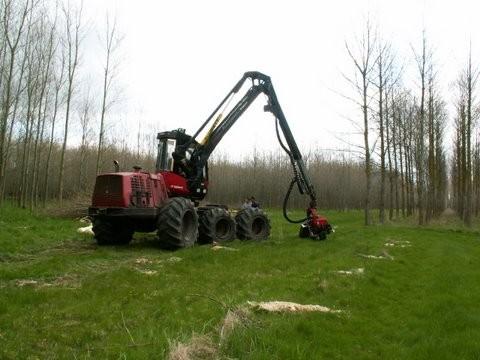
[{"x": 202, "y": 150}]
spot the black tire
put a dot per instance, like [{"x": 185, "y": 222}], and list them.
[
  {"x": 177, "y": 223},
  {"x": 215, "y": 224},
  {"x": 304, "y": 232},
  {"x": 107, "y": 232},
  {"x": 252, "y": 224}
]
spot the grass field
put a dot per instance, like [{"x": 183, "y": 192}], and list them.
[{"x": 61, "y": 296}]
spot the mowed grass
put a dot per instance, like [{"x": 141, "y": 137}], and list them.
[{"x": 61, "y": 296}]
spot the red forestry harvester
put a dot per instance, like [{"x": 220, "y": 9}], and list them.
[{"x": 168, "y": 200}]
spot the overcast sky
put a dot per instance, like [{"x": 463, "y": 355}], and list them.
[{"x": 180, "y": 58}]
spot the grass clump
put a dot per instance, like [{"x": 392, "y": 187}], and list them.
[{"x": 198, "y": 347}]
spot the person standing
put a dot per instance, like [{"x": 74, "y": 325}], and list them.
[
  {"x": 254, "y": 203},
  {"x": 246, "y": 204}
]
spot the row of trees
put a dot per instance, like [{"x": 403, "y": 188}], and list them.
[
  {"x": 404, "y": 169},
  {"x": 45, "y": 100},
  {"x": 41, "y": 89},
  {"x": 338, "y": 180},
  {"x": 404, "y": 130}
]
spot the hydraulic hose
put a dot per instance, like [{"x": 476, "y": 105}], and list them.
[
  {"x": 285, "y": 202},
  {"x": 281, "y": 142},
  {"x": 292, "y": 183}
]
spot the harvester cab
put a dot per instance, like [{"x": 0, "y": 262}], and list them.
[
  {"x": 169, "y": 199},
  {"x": 171, "y": 163}
]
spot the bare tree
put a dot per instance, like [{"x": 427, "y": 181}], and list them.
[
  {"x": 57, "y": 100},
  {"x": 471, "y": 79},
  {"x": 467, "y": 113},
  {"x": 364, "y": 61},
  {"x": 400, "y": 112},
  {"x": 476, "y": 176},
  {"x": 422, "y": 61},
  {"x": 111, "y": 43},
  {"x": 72, "y": 42},
  {"x": 20, "y": 87},
  {"x": 31, "y": 91},
  {"x": 384, "y": 62},
  {"x": 409, "y": 110},
  {"x": 85, "y": 110},
  {"x": 47, "y": 49},
  {"x": 14, "y": 20},
  {"x": 441, "y": 177}
]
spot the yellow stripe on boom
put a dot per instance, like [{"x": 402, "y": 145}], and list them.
[{"x": 210, "y": 131}]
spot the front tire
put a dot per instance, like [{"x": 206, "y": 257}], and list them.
[
  {"x": 252, "y": 224},
  {"x": 216, "y": 225},
  {"x": 177, "y": 223},
  {"x": 108, "y": 233}
]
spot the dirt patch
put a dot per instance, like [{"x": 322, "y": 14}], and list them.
[
  {"x": 143, "y": 261},
  {"x": 291, "y": 307},
  {"x": 67, "y": 281},
  {"x": 70, "y": 323},
  {"x": 368, "y": 256},
  {"x": 219, "y": 247},
  {"x": 26, "y": 282},
  {"x": 197, "y": 348},
  {"x": 174, "y": 259},
  {"x": 383, "y": 256},
  {"x": 147, "y": 272},
  {"x": 398, "y": 243},
  {"x": 358, "y": 271}
]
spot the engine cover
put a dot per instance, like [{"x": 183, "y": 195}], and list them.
[{"x": 129, "y": 189}]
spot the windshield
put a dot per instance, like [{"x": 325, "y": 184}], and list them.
[{"x": 164, "y": 156}]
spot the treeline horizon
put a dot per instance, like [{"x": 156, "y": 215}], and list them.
[
  {"x": 338, "y": 179},
  {"x": 400, "y": 166},
  {"x": 403, "y": 127}
]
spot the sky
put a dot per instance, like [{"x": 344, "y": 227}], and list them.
[{"x": 180, "y": 58}]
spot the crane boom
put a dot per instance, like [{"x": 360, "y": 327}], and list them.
[{"x": 192, "y": 155}]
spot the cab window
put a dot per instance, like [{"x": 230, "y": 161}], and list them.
[{"x": 164, "y": 157}]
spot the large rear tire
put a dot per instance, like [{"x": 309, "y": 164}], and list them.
[
  {"x": 107, "y": 232},
  {"x": 252, "y": 224},
  {"x": 177, "y": 223},
  {"x": 215, "y": 224}
]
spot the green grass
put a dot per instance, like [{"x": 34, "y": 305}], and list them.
[{"x": 92, "y": 302}]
